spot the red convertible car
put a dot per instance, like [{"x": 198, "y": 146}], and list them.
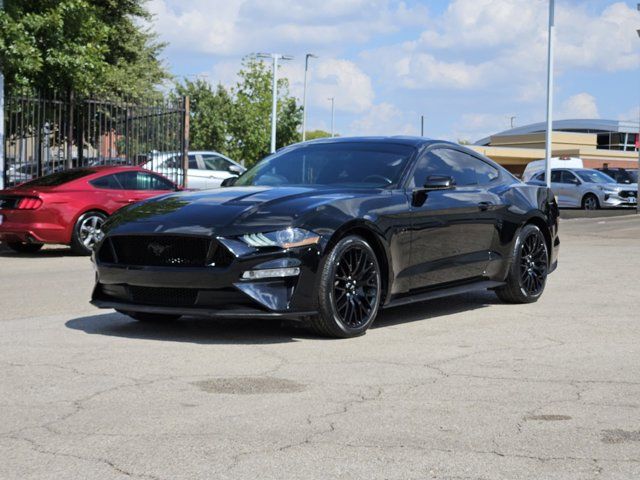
[{"x": 70, "y": 207}]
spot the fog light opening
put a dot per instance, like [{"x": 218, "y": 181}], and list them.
[{"x": 271, "y": 273}]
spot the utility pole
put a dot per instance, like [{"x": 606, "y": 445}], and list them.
[
  {"x": 274, "y": 93},
  {"x": 548, "y": 144},
  {"x": 511, "y": 119},
  {"x": 2, "y": 165},
  {"x": 304, "y": 95},
  {"x": 332, "y": 99},
  {"x": 422, "y": 125}
]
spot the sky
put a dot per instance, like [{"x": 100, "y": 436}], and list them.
[{"x": 468, "y": 66}]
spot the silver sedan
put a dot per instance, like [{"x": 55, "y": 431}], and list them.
[{"x": 588, "y": 189}]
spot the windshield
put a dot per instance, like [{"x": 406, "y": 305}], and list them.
[
  {"x": 594, "y": 176},
  {"x": 59, "y": 178},
  {"x": 359, "y": 165}
]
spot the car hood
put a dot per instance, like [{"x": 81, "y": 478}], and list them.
[{"x": 227, "y": 211}]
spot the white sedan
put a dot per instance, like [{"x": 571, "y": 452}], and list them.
[{"x": 207, "y": 169}]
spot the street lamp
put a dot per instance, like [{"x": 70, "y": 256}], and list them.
[
  {"x": 304, "y": 95},
  {"x": 638, "y": 143},
  {"x": 333, "y": 102},
  {"x": 274, "y": 106},
  {"x": 547, "y": 163}
]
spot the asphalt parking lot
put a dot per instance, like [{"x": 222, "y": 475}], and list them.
[{"x": 463, "y": 388}]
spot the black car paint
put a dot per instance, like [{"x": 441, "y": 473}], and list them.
[{"x": 427, "y": 240}]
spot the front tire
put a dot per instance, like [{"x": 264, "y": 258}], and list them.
[
  {"x": 590, "y": 202},
  {"x": 22, "y": 247},
  {"x": 350, "y": 290},
  {"x": 87, "y": 232},
  {"x": 149, "y": 317},
  {"x": 529, "y": 268}
]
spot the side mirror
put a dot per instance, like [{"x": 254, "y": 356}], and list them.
[
  {"x": 229, "y": 181},
  {"x": 439, "y": 182},
  {"x": 235, "y": 169}
]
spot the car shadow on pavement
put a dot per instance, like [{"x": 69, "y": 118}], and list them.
[
  {"x": 245, "y": 331},
  {"x": 48, "y": 252},
  {"x": 193, "y": 330},
  {"x": 438, "y": 307}
]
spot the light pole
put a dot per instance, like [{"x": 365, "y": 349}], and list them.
[
  {"x": 304, "y": 95},
  {"x": 333, "y": 102},
  {"x": 511, "y": 119},
  {"x": 422, "y": 125},
  {"x": 274, "y": 92},
  {"x": 2, "y": 166},
  {"x": 638, "y": 143},
  {"x": 547, "y": 163}
]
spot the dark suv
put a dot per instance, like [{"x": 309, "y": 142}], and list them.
[{"x": 621, "y": 175}]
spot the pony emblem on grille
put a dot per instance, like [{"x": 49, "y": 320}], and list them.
[{"x": 157, "y": 248}]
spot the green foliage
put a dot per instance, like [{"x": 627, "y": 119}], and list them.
[
  {"x": 313, "y": 134},
  {"x": 83, "y": 46},
  {"x": 237, "y": 122},
  {"x": 210, "y": 110}
]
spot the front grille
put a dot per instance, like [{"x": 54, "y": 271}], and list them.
[
  {"x": 177, "y": 297},
  {"x": 164, "y": 251},
  {"x": 628, "y": 194}
]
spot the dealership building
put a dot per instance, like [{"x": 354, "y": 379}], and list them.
[{"x": 596, "y": 142}]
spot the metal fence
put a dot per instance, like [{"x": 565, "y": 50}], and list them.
[{"x": 47, "y": 134}]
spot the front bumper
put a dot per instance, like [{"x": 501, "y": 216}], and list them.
[
  {"x": 213, "y": 291},
  {"x": 613, "y": 201}
]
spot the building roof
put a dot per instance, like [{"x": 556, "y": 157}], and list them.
[{"x": 573, "y": 125}]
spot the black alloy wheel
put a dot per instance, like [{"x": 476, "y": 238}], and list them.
[
  {"x": 349, "y": 290},
  {"x": 355, "y": 286},
  {"x": 533, "y": 264},
  {"x": 529, "y": 268}
]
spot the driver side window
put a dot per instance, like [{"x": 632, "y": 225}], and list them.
[{"x": 463, "y": 168}]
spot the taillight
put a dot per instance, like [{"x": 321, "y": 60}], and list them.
[{"x": 29, "y": 203}]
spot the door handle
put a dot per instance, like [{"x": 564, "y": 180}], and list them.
[{"x": 484, "y": 206}]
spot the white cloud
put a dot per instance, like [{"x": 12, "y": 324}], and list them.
[
  {"x": 383, "y": 119},
  {"x": 581, "y": 105},
  {"x": 473, "y": 126},
  {"x": 333, "y": 77},
  {"x": 503, "y": 42},
  {"x": 631, "y": 115},
  {"x": 239, "y": 27}
]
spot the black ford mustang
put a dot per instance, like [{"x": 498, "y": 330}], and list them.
[{"x": 330, "y": 232}]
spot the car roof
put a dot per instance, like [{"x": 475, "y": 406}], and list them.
[
  {"x": 400, "y": 139},
  {"x": 112, "y": 168}
]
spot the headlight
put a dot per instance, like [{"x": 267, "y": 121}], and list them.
[
  {"x": 609, "y": 191},
  {"x": 287, "y": 238}
]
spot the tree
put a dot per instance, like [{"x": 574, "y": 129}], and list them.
[
  {"x": 210, "y": 110},
  {"x": 250, "y": 123},
  {"x": 81, "y": 46},
  {"x": 313, "y": 134}
]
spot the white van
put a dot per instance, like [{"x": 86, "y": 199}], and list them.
[{"x": 556, "y": 162}]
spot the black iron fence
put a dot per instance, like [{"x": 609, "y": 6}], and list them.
[{"x": 47, "y": 134}]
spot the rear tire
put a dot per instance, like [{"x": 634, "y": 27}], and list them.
[
  {"x": 87, "y": 232},
  {"x": 529, "y": 268},
  {"x": 350, "y": 290},
  {"x": 22, "y": 247},
  {"x": 149, "y": 317},
  {"x": 590, "y": 202}
]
